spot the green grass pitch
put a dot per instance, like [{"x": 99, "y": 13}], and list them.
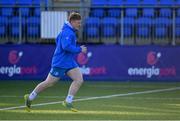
[{"x": 95, "y": 101}]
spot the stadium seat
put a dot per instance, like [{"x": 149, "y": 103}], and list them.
[
  {"x": 92, "y": 32},
  {"x": 161, "y": 32},
  {"x": 143, "y": 26},
  {"x": 148, "y": 12},
  {"x": 33, "y": 31},
  {"x": 7, "y": 2},
  {"x": 114, "y": 12},
  {"x": 162, "y": 26},
  {"x": 132, "y": 2},
  {"x": 37, "y": 12},
  {"x": 109, "y": 21},
  {"x": 178, "y": 12},
  {"x": 166, "y": 2},
  {"x": 40, "y": 3},
  {"x": 149, "y": 2},
  {"x": 24, "y": 2},
  {"x": 162, "y": 21},
  {"x": 24, "y": 11},
  {"x": 178, "y": 32},
  {"x": 99, "y": 2},
  {"x": 177, "y": 29},
  {"x": 2, "y": 30},
  {"x": 177, "y": 3},
  {"x": 3, "y": 25},
  {"x": 97, "y": 12},
  {"x": 131, "y": 12},
  {"x": 36, "y": 2},
  {"x": 115, "y": 2},
  {"x": 108, "y": 31},
  {"x": 165, "y": 12},
  {"x": 3, "y": 20},
  {"x": 129, "y": 24},
  {"x": 33, "y": 21},
  {"x": 15, "y": 21},
  {"x": 109, "y": 27},
  {"x": 33, "y": 26},
  {"x": 15, "y": 31},
  {"x": 7, "y": 11},
  {"x": 14, "y": 25},
  {"x": 92, "y": 21},
  {"x": 91, "y": 27}
]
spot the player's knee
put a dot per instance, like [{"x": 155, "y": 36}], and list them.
[
  {"x": 80, "y": 81},
  {"x": 50, "y": 84}
]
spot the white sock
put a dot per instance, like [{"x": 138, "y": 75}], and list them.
[
  {"x": 32, "y": 96},
  {"x": 69, "y": 98}
]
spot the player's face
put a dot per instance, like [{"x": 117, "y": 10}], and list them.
[{"x": 76, "y": 24}]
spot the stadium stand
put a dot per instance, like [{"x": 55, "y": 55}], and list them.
[
  {"x": 106, "y": 21},
  {"x": 146, "y": 19},
  {"x": 20, "y": 17}
]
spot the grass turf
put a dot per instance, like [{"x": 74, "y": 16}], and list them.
[{"x": 163, "y": 105}]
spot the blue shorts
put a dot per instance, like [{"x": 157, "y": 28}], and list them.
[{"x": 59, "y": 72}]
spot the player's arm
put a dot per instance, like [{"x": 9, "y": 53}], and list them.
[{"x": 66, "y": 45}]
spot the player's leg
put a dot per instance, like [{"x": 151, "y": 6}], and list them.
[
  {"x": 77, "y": 78},
  {"x": 50, "y": 81}
]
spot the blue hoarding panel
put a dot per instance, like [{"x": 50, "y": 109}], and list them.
[{"x": 102, "y": 62}]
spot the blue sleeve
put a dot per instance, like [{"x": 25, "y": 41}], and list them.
[{"x": 66, "y": 42}]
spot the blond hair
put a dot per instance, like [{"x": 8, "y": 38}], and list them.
[{"x": 74, "y": 16}]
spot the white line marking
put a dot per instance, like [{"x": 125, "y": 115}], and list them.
[
  {"x": 14, "y": 96},
  {"x": 130, "y": 98},
  {"x": 100, "y": 97}
]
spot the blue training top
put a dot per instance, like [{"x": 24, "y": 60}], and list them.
[{"x": 66, "y": 48}]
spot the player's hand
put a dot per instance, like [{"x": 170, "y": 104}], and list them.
[{"x": 83, "y": 48}]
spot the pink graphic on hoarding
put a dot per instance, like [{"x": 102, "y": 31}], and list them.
[
  {"x": 14, "y": 56},
  {"x": 83, "y": 58},
  {"x": 153, "y": 57}
]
